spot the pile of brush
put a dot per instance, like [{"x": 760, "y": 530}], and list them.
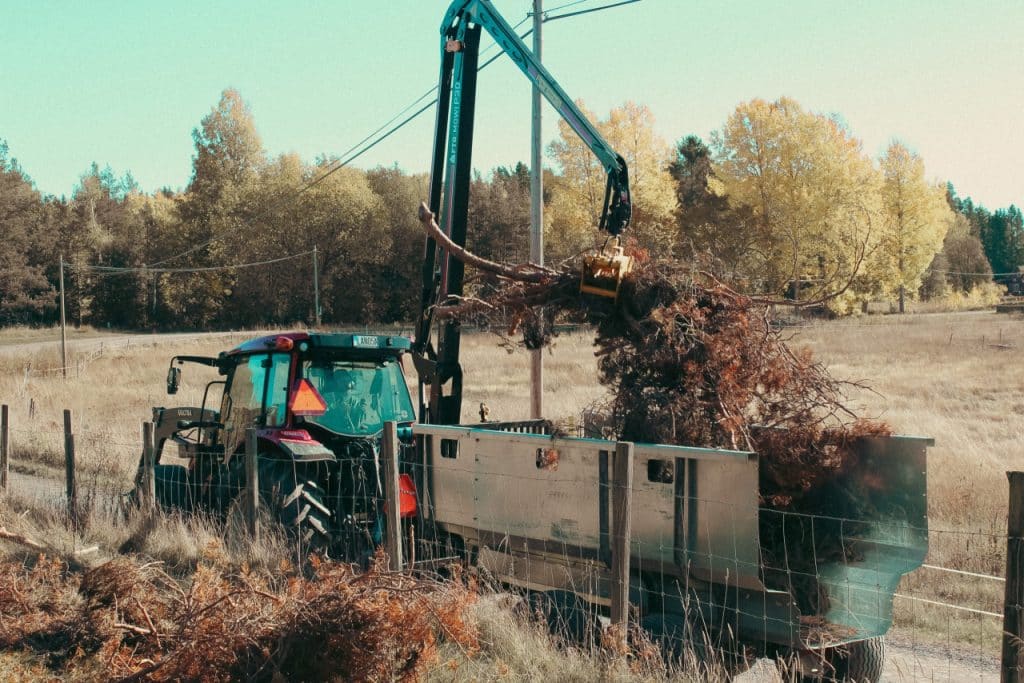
[
  {"x": 131, "y": 621},
  {"x": 689, "y": 361}
]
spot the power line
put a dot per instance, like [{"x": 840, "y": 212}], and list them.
[
  {"x": 957, "y": 272},
  {"x": 119, "y": 270},
  {"x": 588, "y": 11},
  {"x": 568, "y": 4},
  {"x": 336, "y": 166}
]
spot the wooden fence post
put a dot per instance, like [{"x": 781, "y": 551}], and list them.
[
  {"x": 5, "y": 445},
  {"x": 392, "y": 496},
  {"x": 622, "y": 503},
  {"x": 252, "y": 484},
  {"x": 149, "y": 467},
  {"x": 1013, "y": 600},
  {"x": 69, "y": 470}
]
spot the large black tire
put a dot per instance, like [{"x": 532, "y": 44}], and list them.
[
  {"x": 692, "y": 650},
  {"x": 569, "y": 618},
  {"x": 572, "y": 618},
  {"x": 293, "y": 499},
  {"x": 172, "y": 487},
  {"x": 859, "y": 662}
]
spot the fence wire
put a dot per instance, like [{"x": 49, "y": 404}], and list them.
[{"x": 717, "y": 580}]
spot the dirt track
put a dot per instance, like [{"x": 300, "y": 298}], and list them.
[
  {"x": 908, "y": 661},
  {"x": 110, "y": 340}
]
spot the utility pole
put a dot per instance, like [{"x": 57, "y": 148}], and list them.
[
  {"x": 316, "y": 289},
  {"x": 536, "y": 216},
  {"x": 63, "y": 325}
]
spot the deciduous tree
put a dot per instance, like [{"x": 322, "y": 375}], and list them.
[
  {"x": 916, "y": 219},
  {"x": 812, "y": 193}
]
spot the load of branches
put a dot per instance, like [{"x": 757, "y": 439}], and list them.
[
  {"x": 124, "y": 620},
  {"x": 690, "y": 361}
]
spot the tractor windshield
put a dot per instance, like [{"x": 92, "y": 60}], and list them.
[{"x": 360, "y": 396}]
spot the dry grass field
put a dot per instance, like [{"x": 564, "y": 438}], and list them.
[{"x": 955, "y": 377}]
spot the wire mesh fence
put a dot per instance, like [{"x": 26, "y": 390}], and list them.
[{"x": 680, "y": 548}]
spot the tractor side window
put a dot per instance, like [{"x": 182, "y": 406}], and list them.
[
  {"x": 244, "y": 395},
  {"x": 277, "y": 392},
  {"x": 248, "y": 381}
]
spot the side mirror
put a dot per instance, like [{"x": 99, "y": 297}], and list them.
[{"x": 173, "y": 379}]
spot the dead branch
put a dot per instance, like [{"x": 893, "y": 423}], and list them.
[
  {"x": 137, "y": 630},
  {"x": 521, "y": 273},
  {"x": 21, "y": 540}
]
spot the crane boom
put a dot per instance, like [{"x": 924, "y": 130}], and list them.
[
  {"x": 449, "y": 185},
  {"x": 484, "y": 13}
]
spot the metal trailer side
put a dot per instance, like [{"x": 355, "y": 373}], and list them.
[{"x": 535, "y": 511}]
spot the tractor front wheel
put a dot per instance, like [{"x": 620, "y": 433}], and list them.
[{"x": 172, "y": 487}]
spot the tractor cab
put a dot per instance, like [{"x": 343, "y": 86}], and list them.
[
  {"x": 341, "y": 384},
  {"x": 318, "y": 404},
  {"x": 298, "y": 385}
]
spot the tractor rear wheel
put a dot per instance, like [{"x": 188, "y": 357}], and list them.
[
  {"x": 172, "y": 487},
  {"x": 292, "y": 498}
]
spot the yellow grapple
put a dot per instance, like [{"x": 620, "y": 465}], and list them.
[{"x": 603, "y": 271}]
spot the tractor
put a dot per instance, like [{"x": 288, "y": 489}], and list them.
[{"x": 318, "y": 404}]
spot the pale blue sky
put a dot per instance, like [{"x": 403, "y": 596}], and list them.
[{"x": 124, "y": 83}]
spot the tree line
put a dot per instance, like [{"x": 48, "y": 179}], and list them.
[{"x": 779, "y": 201}]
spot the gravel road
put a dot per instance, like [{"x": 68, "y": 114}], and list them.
[
  {"x": 116, "y": 340},
  {"x": 908, "y": 661},
  {"x": 39, "y": 488}
]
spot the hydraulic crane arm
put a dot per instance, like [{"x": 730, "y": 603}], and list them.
[
  {"x": 616, "y": 213},
  {"x": 450, "y": 178}
]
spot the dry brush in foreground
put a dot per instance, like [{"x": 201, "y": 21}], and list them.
[{"x": 130, "y": 620}]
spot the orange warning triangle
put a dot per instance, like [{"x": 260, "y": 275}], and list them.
[{"x": 306, "y": 400}]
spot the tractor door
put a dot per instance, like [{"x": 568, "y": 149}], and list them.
[{"x": 256, "y": 396}]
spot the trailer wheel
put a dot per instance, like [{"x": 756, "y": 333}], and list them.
[
  {"x": 689, "y": 649},
  {"x": 866, "y": 660},
  {"x": 859, "y": 662},
  {"x": 568, "y": 617},
  {"x": 293, "y": 499}
]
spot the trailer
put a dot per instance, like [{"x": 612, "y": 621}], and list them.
[{"x": 538, "y": 513}]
